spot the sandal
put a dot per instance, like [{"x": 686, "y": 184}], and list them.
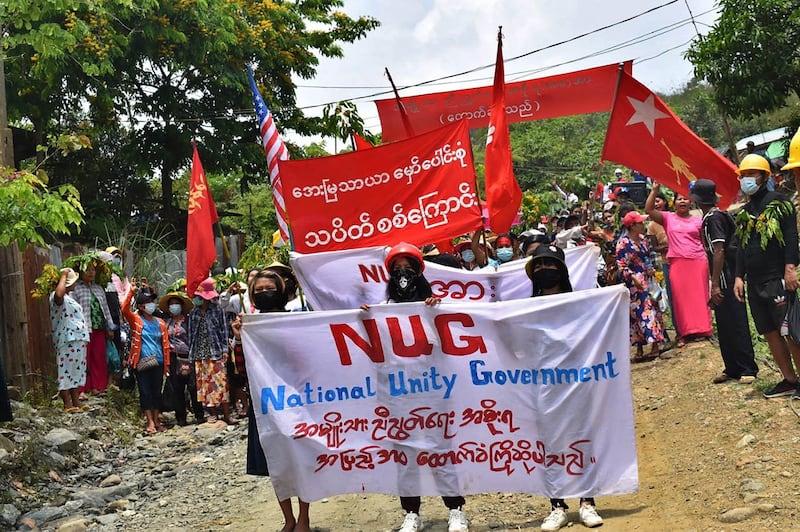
[{"x": 72, "y": 410}]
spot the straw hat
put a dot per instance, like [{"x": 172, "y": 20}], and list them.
[
  {"x": 72, "y": 277},
  {"x": 186, "y": 303}
]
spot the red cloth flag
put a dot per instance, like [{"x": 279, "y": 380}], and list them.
[
  {"x": 360, "y": 142},
  {"x": 200, "y": 249},
  {"x": 598, "y": 191},
  {"x": 643, "y": 133},
  {"x": 274, "y": 150},
  {"x": 503, "y": 194}
]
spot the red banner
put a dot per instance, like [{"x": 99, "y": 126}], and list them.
[
  {"x": 200, "y": 250},
  {"x": 574, "y": 93},
  {"x": 644, "y": 134},
  {"x": 420, "y": 190}
]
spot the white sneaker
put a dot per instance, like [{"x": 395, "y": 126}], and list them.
[
  {"x": 589, "y": 516},
  {"x": 457, "y": 521},
  {"x": 554, "y": 521},
  {"x": 412, "y": 523}
]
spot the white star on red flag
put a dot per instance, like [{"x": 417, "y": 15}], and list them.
[{"x": 646, "y": 113}]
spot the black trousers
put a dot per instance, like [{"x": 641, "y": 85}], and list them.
[
  {"x": 411, "y": 504},
  {"x": 735, "y": 343},
  {"x": 180, "y": 384}
]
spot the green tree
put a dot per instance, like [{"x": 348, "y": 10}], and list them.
[
  {"x": 169, "y": 72},
  {"x": 752, "y": 55}
]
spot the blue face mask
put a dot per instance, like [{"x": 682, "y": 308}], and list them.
[
  {"x": 505, "y": 254},
  {"x": 198, "y": 300},
  {"x": 749, "y": 185},
  {"x": 468, "y": 256}
]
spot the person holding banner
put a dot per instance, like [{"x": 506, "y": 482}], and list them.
[
  {"x": 636, "y": 271},
  {"x": 268, "y": 293},
  {"x": 407, "y": 284},
  {"x": 547, "y": 270}
]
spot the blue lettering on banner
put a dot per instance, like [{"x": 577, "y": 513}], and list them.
[
  {"x": 401, "y": 383},
  {"x": 544, "y": 376},
  {"x": 309, "y": 395}
]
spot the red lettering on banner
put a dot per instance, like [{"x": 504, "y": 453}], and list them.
[
  {"x": 449, "y": 347},
  {"x": 373, "y": 348},
  {"x": 373, "y": 272},
  {"x": 421, "y": 345}
]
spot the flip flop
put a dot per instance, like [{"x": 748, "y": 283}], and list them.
[
  {"x": 72, "y": 410},
  {"x": 150, "y": 431}
]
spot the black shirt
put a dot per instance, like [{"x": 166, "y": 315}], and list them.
[
  {"x": 719, "y": 226},
  {"x": 761, "y": 265}
]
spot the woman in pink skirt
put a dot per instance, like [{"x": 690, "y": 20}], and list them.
[{"x": 688, "y": 267}]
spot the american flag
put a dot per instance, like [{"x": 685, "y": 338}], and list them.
[{"x": 274, "y": 150}]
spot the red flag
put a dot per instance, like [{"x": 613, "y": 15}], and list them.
[
  {"x": 200, "y": 249},
  {"x": 503, "y": 194},
  {"x": 598, "y": 191},
  {"x": 360, "y": 142},
  {"x": 644, "y": 134}
]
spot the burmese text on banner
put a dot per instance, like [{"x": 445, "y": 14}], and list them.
[
  {"x": 644, "y": 134},
  {"x": 530, "y": 396},
  {"x": 419, "y": 190},
  {"x": 584, "y": 91},
  {"x": 339, "y": 280}
]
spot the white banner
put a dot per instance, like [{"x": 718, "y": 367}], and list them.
[
  {"x": 337, "y": 280},
  {"x": 530, "y": 396}
]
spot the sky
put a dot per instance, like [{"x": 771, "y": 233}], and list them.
[{"x": 421, "y": 40}]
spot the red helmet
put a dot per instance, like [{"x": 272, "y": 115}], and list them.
[{"x": 404, "y": 249}]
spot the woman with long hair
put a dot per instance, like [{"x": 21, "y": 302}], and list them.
[{"x": 267, "y": 292}]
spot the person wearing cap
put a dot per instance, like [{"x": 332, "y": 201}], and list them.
[
  {"x": 294, "y": 302},
  {"x": 70, "y": 338},
  {"x": 636, "y": 272},
  {"x": 688, "y": 267},
  {"x": 532, "y": 242},
  {"x": 97, "y": 315},
  {"x": 149, "y": 354},
  {"x": 767, "y": 259},
  {"x": 548, "y": 273},
  {"x": 208, "y": 351},
  {"x": 463, "y": 251},
  {"x": 733, "y": 330},
  {"x": 406, "y": 284},
  {"x": 176, "y": 306}
]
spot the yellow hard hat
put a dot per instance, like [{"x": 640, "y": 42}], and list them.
[
  {"x": 754, "y": 162},
  {"x": 794, "y": 152}
]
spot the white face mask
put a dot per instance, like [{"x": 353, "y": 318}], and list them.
[
  {"x": 175, "y": 309},
  {"x": 150, "y": 307}
]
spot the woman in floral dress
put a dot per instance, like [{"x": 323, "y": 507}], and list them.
[
  {"x": 633, "y": 261},
  {"x": 70, "y": 337}
]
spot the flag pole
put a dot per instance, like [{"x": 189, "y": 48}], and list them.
[
  {"x": 403, "y": 114},
  {"x": 620, "y": 70}
]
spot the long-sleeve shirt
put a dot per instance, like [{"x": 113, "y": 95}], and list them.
[{"x": 217, "y": 333}]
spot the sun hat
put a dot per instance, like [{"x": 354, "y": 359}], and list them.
[
  {"x": 186, "y": 303},
  {"x": 704, "y": 192},
  {"x": 113, "y": 249},
  {"x": 72, "y": 277},
  {"x": 553, "y": 253},
  {"x": 633, "y": 217},
  {"x": 207, "y": 289}
]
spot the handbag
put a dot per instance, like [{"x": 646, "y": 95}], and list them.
[
  {"x": 127, "y": 380},
  {"x": 793, "y": 317},
  {"x": 183, "y": 367},
  {"x": 168, "y": 396},
  {"x": 146, "y": 363},
  {"x": 112, "y": 357}
]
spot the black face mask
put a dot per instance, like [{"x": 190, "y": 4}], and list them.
[
  {"x": 267, "y": 300},
  {"x": 405, "y": 280},
  {"x": 546, "y": 278}
]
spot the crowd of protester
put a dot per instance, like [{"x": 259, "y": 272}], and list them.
[{"x": 679, "y": 256}]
